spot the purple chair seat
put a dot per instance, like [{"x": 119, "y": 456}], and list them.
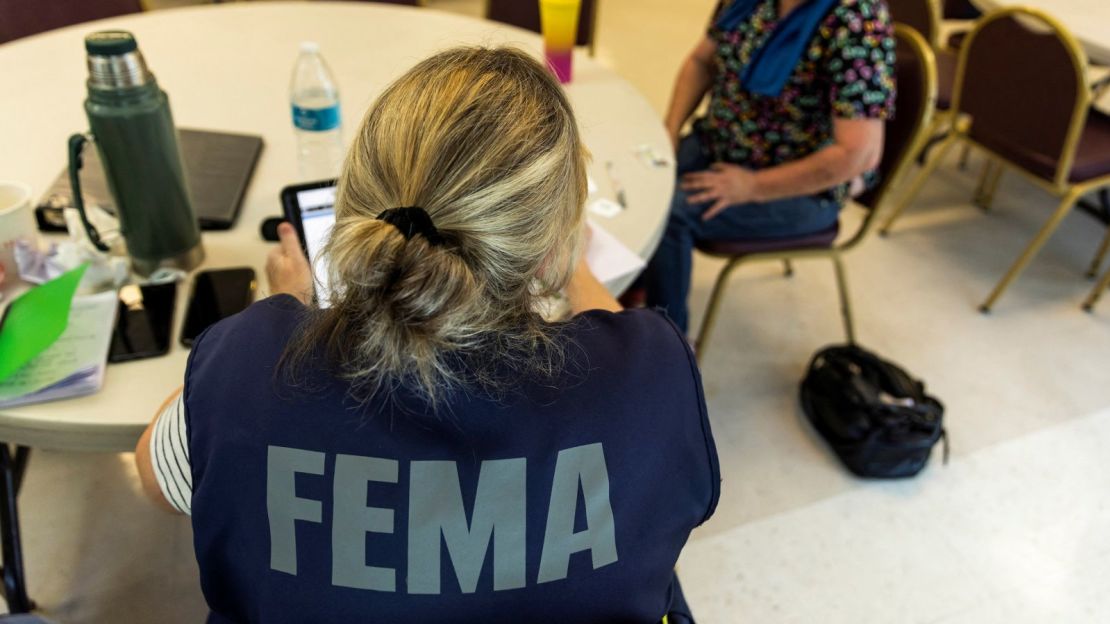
[
  {"x": 746, "y": 247},
  {"x": 1092, "y": 158}
]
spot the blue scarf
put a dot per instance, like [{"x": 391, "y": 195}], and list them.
[{"x": 772, "y": 64}]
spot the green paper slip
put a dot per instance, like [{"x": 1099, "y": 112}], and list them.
[{"x": 35, "y": 320}]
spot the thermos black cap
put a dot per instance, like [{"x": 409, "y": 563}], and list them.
[{"x": 110, "y": 43}]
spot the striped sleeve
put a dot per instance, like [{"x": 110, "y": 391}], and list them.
[{"x": 169, "y": 453}]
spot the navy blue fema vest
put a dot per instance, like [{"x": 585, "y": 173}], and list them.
[{"x": 559, "y": 503}]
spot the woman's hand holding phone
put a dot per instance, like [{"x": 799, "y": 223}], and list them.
[{"x": 287, "y": 268}]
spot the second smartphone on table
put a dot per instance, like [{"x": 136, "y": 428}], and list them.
[{"x": 217, "y": 294}]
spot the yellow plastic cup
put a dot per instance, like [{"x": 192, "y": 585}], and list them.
[{"x": 559, "y": 23}]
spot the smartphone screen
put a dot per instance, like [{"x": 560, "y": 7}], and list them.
[
  {"x": 144, "y": 322},
  {"x": 216, "y": 295}
]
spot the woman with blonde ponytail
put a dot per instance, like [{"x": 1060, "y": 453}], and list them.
[{"x": 426, "y": 447}]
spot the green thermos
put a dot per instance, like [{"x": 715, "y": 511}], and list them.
[{"x": 132, "y": 127}]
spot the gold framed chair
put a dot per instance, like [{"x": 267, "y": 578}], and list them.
[
  {"x": 1022, "y": 98},
  {"x": 905, "y": 135},
  {"x": 926, "y": 17}
]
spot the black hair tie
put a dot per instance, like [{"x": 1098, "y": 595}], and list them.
[{"x": 412, "y": 220}]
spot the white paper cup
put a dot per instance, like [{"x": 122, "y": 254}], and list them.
[{"x": 17, "y": 221}]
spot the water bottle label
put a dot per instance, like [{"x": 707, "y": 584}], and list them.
[{"x": 316, "y": 119}]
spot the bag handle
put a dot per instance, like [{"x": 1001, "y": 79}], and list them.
[{"x": 891, "y": 374}]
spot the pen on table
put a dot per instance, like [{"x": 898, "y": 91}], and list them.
[{"x": 616, "y": 184}]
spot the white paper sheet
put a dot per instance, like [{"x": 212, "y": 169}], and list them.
[
  {"x": 610, "y": 259},
  {"x": 604, "y": 207}
]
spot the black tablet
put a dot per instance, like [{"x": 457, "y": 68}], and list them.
[
  {"x": 310, "y": 208},
  {"x": 218, "y": 168}
]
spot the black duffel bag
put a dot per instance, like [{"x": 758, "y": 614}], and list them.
[{"x": 877, "y": 419}]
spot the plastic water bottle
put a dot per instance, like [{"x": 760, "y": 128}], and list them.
[{"x": 316, "y": 120}]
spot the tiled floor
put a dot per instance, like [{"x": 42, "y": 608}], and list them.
[
  {"x": 1015, "y": 529},
  {"x": 1013, "y": 533}
]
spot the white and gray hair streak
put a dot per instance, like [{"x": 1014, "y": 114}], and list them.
[{"x": 486, "y": 142}]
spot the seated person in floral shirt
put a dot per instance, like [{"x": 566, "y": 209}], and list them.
[{"x": 799, "y": 90}]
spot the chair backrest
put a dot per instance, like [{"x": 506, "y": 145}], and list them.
[
  {"x": 907, "y": 132},
  {"x": 1021, "y": 79},
  {"x": 526, "y": 14},
  {"x": 22, "y": 18},
  {"x": 923, "y": 15},
  {"x": 960, "y": 10}
]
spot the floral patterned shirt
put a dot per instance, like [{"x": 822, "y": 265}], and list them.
[{"x": 847, "y": 72}]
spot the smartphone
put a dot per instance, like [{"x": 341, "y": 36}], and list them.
[
  {"x": 144, "y": 322},
  {"x": 217, "y": 294}
]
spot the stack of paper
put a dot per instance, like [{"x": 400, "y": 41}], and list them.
[{"x": 54, "y": 345}]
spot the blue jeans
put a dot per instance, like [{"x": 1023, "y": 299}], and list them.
[{"x": 667, "y": 277}]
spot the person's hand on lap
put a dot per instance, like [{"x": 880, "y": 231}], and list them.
[
  {"x": 287, "y": 268},
  {"x": 723, "y": 184}
]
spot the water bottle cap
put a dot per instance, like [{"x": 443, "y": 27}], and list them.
[
  {"x": 110, "y": 43},
  {"x": 310, "y": 47}
]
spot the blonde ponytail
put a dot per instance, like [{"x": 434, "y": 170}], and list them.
[{"x": 485, "y": 142}]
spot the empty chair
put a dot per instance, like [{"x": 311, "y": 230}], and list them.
[
  {"x": 904, "y": 137},
  {"x": 23, "y": 18},
  {"x": 1024, "y": 100},
  {"x": 925, "y": 17}
]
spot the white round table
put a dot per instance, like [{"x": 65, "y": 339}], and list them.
[
  {"x": 1088, "y": 20},
  {"x": 227, "y": 67}
]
